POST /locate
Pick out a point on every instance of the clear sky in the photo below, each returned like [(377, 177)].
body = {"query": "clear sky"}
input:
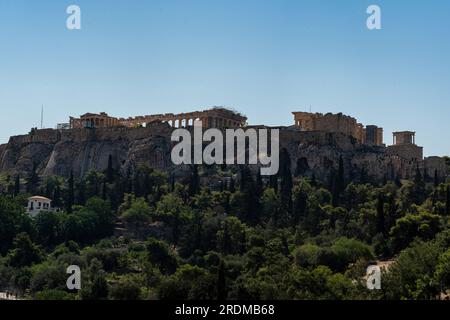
[(265, 58)]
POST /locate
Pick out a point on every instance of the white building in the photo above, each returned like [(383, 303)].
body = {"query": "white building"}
[(37, 204)]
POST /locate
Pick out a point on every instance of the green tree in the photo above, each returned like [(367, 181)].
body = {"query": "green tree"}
[(381, 221), (285, 182), (194, 185), (98, 289), (172, 210), (25, 252), (70, 193), (423, 225), (447, 201), (13, 220), (411, 276), (221, 282), (160, 254), (338, 185), (127, 288), (32, 180), (17, 186), (110, 170), (138, 215), (49, 227)]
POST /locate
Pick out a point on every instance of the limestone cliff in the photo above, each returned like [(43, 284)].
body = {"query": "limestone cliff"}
[(58, 152)]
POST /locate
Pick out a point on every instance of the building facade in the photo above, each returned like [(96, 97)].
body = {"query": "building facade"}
[(38, 204)]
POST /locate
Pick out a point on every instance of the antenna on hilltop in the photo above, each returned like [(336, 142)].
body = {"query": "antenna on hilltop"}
[(310, 108), (42, 117)]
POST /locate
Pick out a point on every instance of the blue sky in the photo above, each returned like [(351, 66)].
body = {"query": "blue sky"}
[(265, 58)]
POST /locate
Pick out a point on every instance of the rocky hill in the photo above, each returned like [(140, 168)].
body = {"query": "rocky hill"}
[(58, 152)]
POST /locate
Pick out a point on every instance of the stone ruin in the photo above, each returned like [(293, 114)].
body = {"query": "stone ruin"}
[(218, 117)]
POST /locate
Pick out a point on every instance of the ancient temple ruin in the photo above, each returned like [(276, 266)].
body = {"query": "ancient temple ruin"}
[(218, 117), (329, 122), (404, 145)]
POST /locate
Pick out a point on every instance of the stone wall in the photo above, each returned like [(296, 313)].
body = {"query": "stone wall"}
[(407, 151), (341, 123)]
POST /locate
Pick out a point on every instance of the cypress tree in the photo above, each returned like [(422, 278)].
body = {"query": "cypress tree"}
[(259, 184), (397, 181), (340, 176), (313, 180), (33, 180), (285, 180), (17, 186), (363, 177), (339, 183), (299, 206), (436, 178), (418, 194), (56, 197), (110, 170), (381, 222), (232, 186), (81, 199), (221, 282), (70, 193), (447, 201), (104, 190), (392, 213), (273, 182), (194, 186), (136, 185)]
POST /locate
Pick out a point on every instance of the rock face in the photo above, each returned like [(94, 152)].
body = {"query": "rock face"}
[(58, 152), (54, 152)]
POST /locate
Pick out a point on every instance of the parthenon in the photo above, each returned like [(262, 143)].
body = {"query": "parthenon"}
[(218, 117)]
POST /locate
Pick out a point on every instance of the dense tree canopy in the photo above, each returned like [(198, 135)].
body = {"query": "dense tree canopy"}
[(226, 233)]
